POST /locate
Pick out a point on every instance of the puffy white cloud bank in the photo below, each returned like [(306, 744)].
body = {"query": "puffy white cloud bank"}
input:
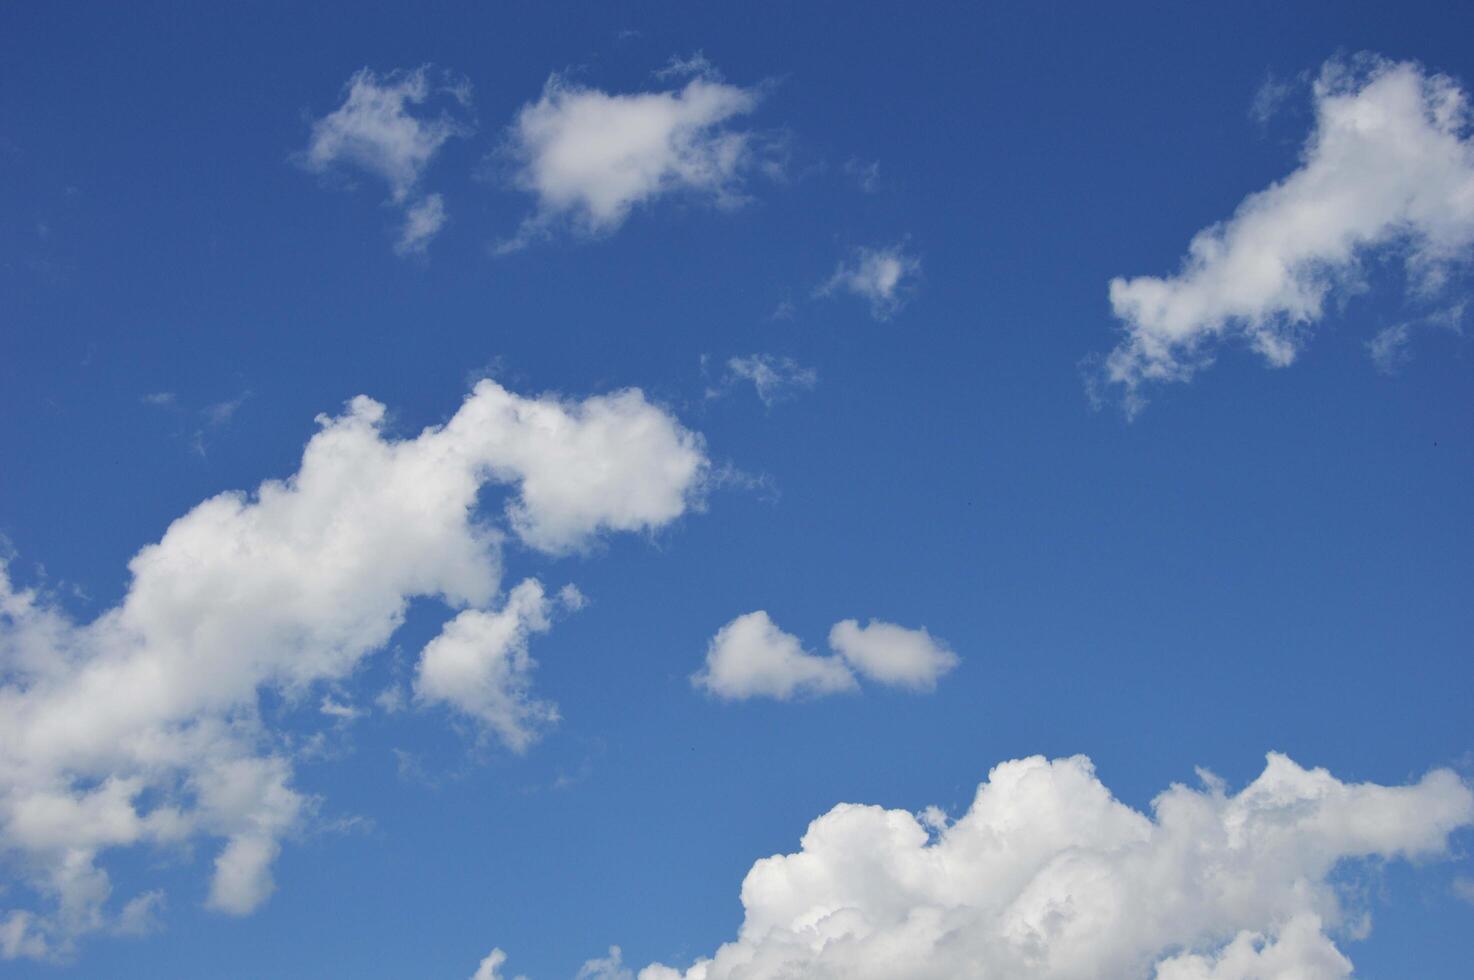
[(591, 157), (385, 128), (1048, 876), (751, 657), (143, 726), (1388, 166), (882, 277)]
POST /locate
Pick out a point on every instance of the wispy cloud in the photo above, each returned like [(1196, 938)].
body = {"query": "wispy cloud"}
[(883, 277), (387, 129), (774, 378)]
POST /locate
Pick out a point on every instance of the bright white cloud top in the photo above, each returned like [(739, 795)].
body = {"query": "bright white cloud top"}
[(385, 128), (1048, 876), (591, 157), (143, 726), (1389, 164), (751, 657), (882, 277)]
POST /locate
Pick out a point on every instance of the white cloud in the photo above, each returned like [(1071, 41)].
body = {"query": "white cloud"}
[(774, 378), (143, 726), (479, 664), (752, 657), (882, 277), (1388, 349), (606, 968), (590, 157), (1389, 164), (892, 654), (1048, 876), (1391, 348), (422, 222), (491, 967), (385, 128)]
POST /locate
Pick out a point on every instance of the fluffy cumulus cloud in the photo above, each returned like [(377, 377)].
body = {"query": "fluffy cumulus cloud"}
[(590, 157), (1388, 166), (774, 378), (387, 128), (1047, 875), (751, 657), (143, 726), (882, 277), (892, 654)]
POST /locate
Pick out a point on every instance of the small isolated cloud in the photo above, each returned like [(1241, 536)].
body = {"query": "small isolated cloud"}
[(334, 708), (891, 654), (1048, 876), (610, 967), (490, 967), (590, 157), (1388, 349), (220, 413), (774, 378), (1463, 888), (866, 175), (1391, 348), (387, 128), (422, 222), (163, 399), (751, 657), (882, 277), (1269, 98), (214, 416), (1388, 168)]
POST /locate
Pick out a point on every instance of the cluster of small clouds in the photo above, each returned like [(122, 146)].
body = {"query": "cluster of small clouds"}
[(609, 967), (1388, 166), (587, 157), (751, 657), (387, 129), (143, 726), (1048, 876)]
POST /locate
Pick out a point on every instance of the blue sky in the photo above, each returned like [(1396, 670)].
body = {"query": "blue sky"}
[(827, 313)]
